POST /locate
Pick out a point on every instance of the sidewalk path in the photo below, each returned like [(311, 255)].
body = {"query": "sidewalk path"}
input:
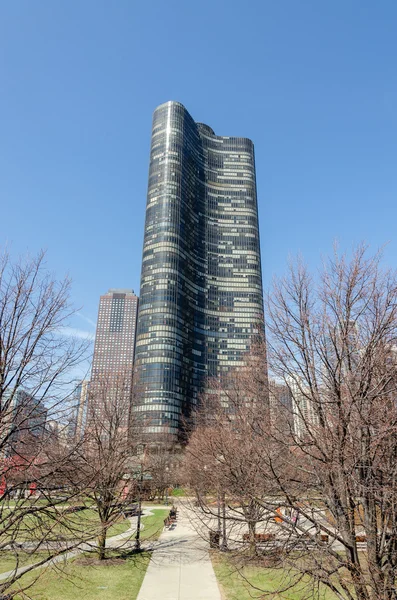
[(180, 568)]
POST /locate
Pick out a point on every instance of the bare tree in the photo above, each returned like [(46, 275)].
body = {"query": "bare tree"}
[(333, 343), (164, 469), (326, 459), (221, 458), (108, 449), (36, 361)]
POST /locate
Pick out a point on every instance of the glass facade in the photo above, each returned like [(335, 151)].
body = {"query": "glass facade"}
[(201, 284)]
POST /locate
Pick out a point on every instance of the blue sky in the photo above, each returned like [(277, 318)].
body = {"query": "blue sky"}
[(312, 83)]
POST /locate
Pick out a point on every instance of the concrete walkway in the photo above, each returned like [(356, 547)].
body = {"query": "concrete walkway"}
[(180, 568)]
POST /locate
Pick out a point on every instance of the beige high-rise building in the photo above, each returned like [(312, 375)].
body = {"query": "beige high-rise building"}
[(78, 415), (114, 348)]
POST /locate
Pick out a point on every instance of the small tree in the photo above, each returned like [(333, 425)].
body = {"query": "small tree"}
[(332, 341), (108, 450), (164, 468), (221, 457), (320, 456), (35, 365)]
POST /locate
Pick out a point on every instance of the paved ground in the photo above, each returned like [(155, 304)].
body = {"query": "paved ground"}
[(180, 568)]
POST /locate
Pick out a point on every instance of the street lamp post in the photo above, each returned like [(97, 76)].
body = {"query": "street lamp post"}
[(218, 503), (166, 483), (138, 525), (224, 548)]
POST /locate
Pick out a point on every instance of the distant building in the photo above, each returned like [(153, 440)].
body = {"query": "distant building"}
[(281, 406), (114, 347), (79, 410), (57, 432), (303, 410), (29, 416), (292, 408)]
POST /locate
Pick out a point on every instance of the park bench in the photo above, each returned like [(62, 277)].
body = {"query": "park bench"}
[(171, 519), (260, 537), (74, 509)]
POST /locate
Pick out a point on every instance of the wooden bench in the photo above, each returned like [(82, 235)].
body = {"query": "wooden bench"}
[(171, 519), (260, 537)]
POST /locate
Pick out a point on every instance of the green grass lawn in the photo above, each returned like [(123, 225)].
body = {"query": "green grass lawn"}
[(120, 527), (154, 524), (8, 559), (240, 583), (52, 527), (178, 492), (117, 578)]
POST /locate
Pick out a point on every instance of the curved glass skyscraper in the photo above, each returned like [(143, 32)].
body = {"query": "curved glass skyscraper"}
[(201, 285)]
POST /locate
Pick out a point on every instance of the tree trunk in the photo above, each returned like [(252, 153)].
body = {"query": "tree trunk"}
[(138, 525), (252, 540), (219, 514), (224, 547), (102, 543)]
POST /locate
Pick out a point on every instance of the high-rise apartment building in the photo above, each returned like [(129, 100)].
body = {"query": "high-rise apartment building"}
[(114, 344), (201, 284)]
